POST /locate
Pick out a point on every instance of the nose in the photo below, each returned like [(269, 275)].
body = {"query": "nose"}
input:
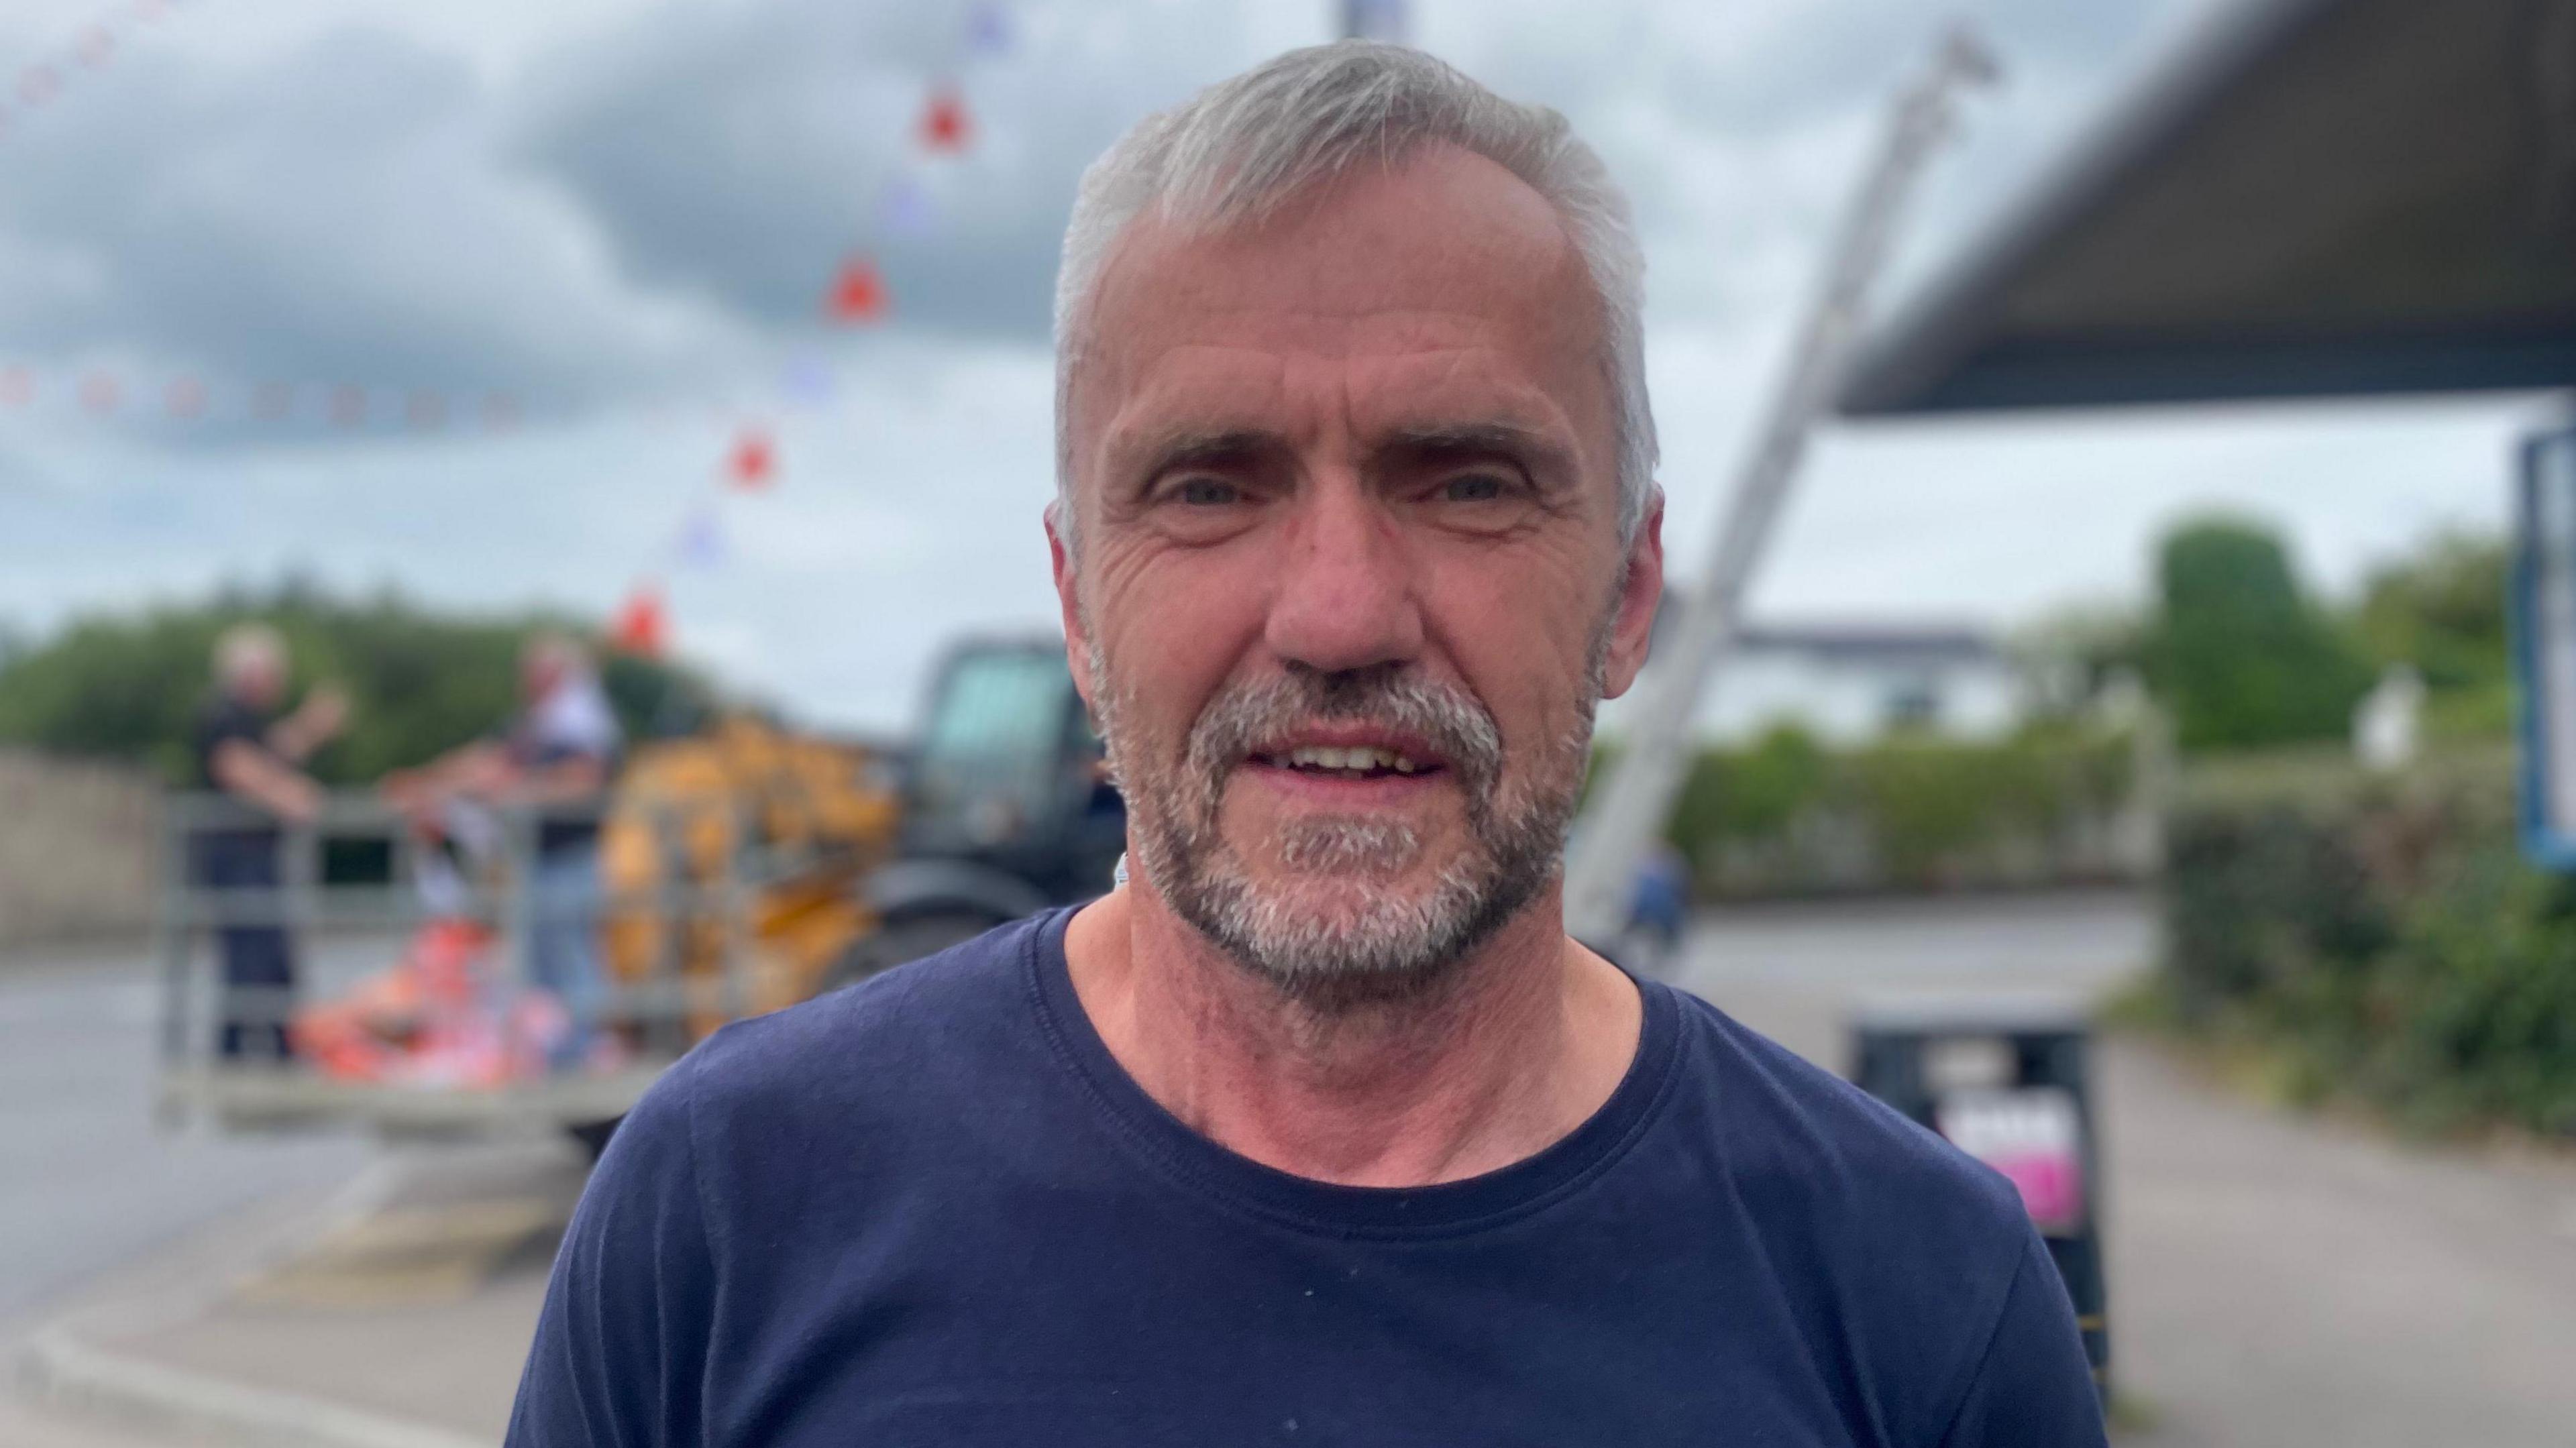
[(1346, 596)]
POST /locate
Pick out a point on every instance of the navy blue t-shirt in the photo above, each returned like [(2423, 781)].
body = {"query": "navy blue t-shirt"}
[(933, 1210)]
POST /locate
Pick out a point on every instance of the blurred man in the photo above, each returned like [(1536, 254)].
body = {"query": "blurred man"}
[(1659, 908), (243, 748), (1319, 1129), (556, 759)]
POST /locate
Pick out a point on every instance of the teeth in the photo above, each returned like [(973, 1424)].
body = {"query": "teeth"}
[(1363, 757)]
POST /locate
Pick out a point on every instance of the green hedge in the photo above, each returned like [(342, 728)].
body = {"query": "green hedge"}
[(1786, 815), (2382, 937)]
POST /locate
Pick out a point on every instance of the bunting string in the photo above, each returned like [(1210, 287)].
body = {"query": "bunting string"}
[(857, 295), (93, 48)]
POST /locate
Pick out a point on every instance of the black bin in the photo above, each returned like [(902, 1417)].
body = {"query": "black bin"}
[(2004, 1078)]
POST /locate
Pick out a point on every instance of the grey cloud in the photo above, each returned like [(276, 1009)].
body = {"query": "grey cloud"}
[(330, 215), (1818, 60), (1739, 128), (741, 153), (663, 197)]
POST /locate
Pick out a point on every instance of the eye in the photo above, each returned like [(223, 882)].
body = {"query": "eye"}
[(1473, 488), (1208, 507)]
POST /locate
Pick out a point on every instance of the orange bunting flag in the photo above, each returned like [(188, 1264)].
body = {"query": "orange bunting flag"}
[(640, 627), (859, 293), (944, 125), (753, 462)]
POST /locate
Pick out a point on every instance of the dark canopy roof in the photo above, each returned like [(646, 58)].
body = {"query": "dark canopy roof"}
[(2325, 197)]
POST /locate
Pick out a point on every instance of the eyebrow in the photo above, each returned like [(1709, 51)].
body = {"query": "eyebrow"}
[(1477, 438), (1188, 447)]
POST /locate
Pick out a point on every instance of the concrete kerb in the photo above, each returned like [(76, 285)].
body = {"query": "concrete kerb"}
[(73, 1372), (62, 1362)]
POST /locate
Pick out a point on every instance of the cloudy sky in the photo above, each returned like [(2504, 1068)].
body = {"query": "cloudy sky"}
[(621, 216)]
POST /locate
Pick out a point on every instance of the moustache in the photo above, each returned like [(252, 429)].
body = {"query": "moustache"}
[(1449, 719)]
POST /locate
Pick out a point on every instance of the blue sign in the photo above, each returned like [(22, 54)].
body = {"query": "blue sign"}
[(2544, 646)]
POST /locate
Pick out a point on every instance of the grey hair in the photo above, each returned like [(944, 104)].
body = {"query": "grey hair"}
[(560, 649), (245, 648), (1236, 152)]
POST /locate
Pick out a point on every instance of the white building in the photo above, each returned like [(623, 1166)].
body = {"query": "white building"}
[(1847, 683)]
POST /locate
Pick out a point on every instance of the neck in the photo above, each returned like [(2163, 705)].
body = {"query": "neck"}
[(1514, 1048)]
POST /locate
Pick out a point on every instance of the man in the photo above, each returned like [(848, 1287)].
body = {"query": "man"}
[(1318, 1129), (243, 748), (556, 759)]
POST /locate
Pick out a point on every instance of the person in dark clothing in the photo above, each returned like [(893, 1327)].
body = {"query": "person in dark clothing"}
[(244, 748), (1318, 1128), (1659, 908)]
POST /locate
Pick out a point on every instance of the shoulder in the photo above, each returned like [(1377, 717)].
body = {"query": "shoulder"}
[(575, 719), (847, 1114), (220, 716), (1797, 1133), (877, 1047), (1894, 1243), (585, 718)]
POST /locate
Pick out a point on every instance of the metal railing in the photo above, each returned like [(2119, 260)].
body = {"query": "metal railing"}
[(653, 1013)]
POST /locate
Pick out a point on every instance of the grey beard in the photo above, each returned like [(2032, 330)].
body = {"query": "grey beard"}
[(1361, 943)]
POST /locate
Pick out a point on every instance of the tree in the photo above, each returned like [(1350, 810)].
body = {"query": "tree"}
[(419, 683), (2442, 610), (2236, 650)]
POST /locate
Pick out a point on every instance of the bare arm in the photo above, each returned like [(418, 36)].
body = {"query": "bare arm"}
[(255, 776), (478, 768), (561, 782), (486, 772), (314, 723)]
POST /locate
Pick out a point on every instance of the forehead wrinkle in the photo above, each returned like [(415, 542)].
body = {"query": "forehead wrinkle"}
[(1336, 333), (1151, 415), (1179, 371), (1535, 353), (1515, 227), (1503, 226)]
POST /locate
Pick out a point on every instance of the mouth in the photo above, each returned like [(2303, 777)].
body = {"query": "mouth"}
[(1349, 766), (1362, 761)]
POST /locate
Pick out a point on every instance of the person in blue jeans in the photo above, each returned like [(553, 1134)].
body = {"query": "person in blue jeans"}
[(557, 757)]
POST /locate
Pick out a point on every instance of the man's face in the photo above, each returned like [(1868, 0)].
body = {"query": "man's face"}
[(260, 681), (539, 671), (1350, 577)]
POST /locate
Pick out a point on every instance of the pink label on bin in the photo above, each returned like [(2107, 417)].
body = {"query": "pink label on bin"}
[(2051, 1185), (2031, 1136)]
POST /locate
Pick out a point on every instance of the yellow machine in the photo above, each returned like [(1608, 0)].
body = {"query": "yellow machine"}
[(749, 868), (732, 861)]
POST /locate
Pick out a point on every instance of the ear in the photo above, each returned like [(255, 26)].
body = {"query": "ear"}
[(1068, 598), (1643, 593)]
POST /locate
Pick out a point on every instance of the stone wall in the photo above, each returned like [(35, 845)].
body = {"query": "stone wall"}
[(77, 845)]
